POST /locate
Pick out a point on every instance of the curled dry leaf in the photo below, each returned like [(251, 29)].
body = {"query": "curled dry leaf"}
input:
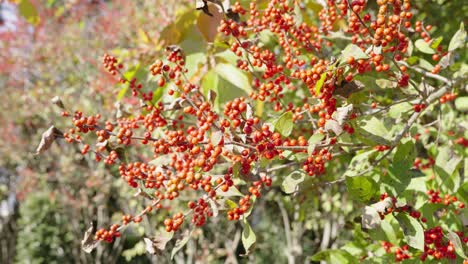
[(339, 118), (157, 244), (47, 138), (333, 125), (345, 89), (176, 104), (212, 96), (122, 110), (203, 6), (88, 243), (57, 101), (371, 217)]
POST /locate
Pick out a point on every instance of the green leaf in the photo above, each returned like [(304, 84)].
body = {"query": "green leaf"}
[(397, 110), (463, 189), (423, 46), (319, 84), (457, 244), (226, 56), (404, 156), (396, 180), (436, 42), (461, 104), (230, 204), (458, 39), (374, 130), (359, 163), (389, 230), (425, 64), (236, 169), (429, 211), (291, 182), (232, 191), (414, 233), (313, 140), (412, 60), (447, 160), (334, 256), (235, 76), (29, 12), (248, 237), (181, 242), (361, 188), (284, 124), (210, 82), (352, 51), (385, 83), (134, 72), (194, 62)]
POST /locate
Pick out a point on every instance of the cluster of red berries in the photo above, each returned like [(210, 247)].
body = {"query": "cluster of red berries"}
[(447, 98), (418, 163), (237, 212), (174, 223), (233, 111), (83, 125), (237, 8), (315, 164), (435, 246), (110, 63), (201, 211), (462, 141), (402, 253), (419, 107), (107, 235), (231, 27), (381, 148), (447, 198)]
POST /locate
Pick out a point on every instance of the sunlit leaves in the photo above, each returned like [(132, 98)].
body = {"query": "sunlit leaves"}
[(284, 124), (313, 140), (248, 237), (353, 51), (457, 244), (335, 256), (413, 231), (233, 75), (458, 39), (29, 12), (319, 84), (291, 182), (461, 103), (361, 188), (423, 46)]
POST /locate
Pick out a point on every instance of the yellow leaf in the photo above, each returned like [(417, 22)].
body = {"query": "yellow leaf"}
[(208, 25)]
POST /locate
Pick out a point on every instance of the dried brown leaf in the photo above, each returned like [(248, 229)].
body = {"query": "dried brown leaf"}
[(88, 243), (47, 138)]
